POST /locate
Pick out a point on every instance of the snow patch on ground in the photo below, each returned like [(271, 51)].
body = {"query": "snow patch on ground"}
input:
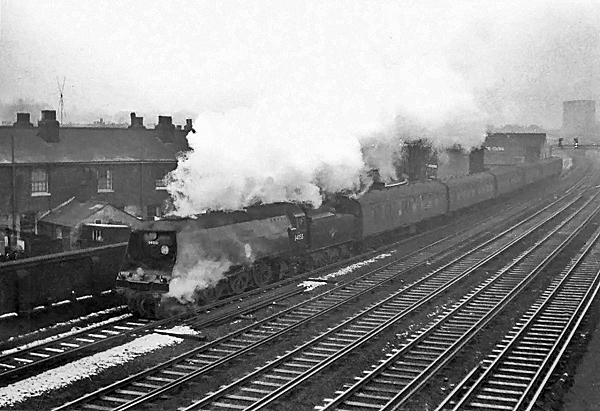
[(181, 330), (84, 368), (310, 285), (74, 330)]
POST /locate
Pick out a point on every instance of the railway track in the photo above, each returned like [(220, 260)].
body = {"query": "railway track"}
[(278, 378), (395, 380), (514, 375), (149, 385), (19, 364)]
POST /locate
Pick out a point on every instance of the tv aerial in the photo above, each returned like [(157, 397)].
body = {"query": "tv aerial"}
[(61, 101)]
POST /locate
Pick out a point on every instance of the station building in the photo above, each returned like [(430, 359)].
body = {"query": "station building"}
[(514, 148)]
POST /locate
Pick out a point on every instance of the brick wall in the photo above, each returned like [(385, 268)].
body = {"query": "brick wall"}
[(130, 190)]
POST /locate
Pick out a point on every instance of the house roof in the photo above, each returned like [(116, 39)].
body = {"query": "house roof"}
[(89, 145), (72, 212)]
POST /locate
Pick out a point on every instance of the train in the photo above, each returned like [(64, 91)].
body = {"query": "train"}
[(265, 243)]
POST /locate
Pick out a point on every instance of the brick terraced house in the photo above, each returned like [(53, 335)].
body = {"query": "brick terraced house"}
[(43, 166)]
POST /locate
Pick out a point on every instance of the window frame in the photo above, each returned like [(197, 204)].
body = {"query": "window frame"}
[(160, 184), (158, 211), (39, 187), (105, 175)]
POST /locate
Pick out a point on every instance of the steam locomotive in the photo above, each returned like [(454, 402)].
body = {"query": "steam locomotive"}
[(264, 243)]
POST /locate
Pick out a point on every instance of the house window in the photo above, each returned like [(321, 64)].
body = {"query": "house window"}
[(153, 211), (160, 184), (105, 181), (58, 233), (39, 182), (97, 235)]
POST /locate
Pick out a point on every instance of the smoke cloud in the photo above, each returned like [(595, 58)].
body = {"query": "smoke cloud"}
[(335, 95), (341, 98)]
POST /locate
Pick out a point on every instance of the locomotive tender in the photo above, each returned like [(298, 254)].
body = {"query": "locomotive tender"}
[(264, 243)]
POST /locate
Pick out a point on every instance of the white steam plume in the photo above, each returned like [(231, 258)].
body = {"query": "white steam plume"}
[(339, 73), (344, 84)]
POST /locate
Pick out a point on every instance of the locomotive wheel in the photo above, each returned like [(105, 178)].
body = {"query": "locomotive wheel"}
[(133, 303), (310, 264), (286, 270), (334, 255), (148, 307), (212, 294), (239, 282), (345, 252), (262, 274)]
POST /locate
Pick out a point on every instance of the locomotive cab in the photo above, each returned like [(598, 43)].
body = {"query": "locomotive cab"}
[(297, 231)]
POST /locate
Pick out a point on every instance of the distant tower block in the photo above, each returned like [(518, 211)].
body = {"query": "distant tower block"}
[(579, 117)]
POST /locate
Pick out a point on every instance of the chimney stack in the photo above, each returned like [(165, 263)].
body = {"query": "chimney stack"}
[(166, 121), (48, 127), (136, 122), (166, 129), (476, 160), (189, 126), (23, 120)]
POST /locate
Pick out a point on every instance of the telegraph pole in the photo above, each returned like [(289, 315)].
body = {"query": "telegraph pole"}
[(14, 185)]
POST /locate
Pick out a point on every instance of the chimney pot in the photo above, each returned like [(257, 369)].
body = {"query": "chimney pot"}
[(23, 117), (48, 127), (23, 120), (165, 120), (136, 121), (188, 124), (165, 128), (48, 115)]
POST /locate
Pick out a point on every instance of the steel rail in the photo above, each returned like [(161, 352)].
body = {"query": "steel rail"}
[(340, 340), (546, 325), (159, 390), (413, 364)]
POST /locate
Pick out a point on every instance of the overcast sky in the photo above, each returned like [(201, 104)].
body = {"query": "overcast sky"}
[(502, 62)]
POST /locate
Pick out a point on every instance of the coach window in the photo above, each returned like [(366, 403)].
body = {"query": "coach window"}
[(388, 211)]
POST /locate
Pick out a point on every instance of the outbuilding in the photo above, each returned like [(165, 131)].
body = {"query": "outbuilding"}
[(72, 222)]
